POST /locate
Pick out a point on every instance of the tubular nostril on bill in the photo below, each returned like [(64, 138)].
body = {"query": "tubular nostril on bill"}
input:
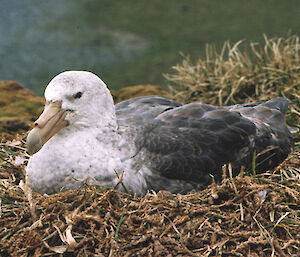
[(36, 124)]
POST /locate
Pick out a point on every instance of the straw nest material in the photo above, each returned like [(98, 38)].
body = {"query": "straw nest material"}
[(250, 215)]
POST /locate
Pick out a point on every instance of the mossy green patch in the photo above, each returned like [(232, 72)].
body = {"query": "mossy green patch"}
[(18, 107)]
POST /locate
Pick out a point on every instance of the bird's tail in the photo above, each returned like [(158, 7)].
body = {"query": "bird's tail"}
[(281, 104)]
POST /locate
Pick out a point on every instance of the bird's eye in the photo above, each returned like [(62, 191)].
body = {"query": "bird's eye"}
[(77, 95)]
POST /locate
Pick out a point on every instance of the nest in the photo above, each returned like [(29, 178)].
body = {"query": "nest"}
[(249, 215)]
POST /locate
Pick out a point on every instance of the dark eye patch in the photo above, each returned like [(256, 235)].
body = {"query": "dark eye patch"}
[(77, 95)]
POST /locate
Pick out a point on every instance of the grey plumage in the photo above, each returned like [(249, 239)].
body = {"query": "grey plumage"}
[(184, 145)]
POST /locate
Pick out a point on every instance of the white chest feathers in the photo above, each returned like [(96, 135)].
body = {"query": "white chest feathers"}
[(68, 159)]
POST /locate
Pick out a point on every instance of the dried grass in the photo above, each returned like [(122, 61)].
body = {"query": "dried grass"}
[(242, 216), (259, 72)]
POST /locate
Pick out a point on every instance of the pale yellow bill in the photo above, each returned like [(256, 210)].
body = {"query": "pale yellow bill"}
[(47, 125)]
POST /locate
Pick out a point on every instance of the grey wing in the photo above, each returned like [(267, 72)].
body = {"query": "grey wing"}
[(140, 110), (193, 141)]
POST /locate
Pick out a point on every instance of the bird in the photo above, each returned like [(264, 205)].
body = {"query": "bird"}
[(155, 143)]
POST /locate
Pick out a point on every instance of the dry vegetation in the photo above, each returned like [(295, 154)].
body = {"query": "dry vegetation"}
[(242, 216), (250, 215), (236, 76)]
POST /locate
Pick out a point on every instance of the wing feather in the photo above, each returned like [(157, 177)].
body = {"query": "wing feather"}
[(193, 141)]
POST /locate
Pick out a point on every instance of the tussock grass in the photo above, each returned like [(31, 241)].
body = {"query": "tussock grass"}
[(234, 75)]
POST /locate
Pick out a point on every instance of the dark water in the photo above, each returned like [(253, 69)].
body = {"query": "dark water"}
[(41, 38)]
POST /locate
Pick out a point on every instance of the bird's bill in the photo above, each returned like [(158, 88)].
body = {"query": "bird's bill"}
[(51, 121)]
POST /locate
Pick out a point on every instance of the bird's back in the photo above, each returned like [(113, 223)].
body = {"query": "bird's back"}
[(190, 143)]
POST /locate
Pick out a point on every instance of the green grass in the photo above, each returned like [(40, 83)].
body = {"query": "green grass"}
[(185, 26)]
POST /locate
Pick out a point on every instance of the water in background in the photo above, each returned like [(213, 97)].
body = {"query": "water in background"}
[(41, 38)]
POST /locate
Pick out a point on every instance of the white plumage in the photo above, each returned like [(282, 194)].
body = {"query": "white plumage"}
[(91, 147)]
